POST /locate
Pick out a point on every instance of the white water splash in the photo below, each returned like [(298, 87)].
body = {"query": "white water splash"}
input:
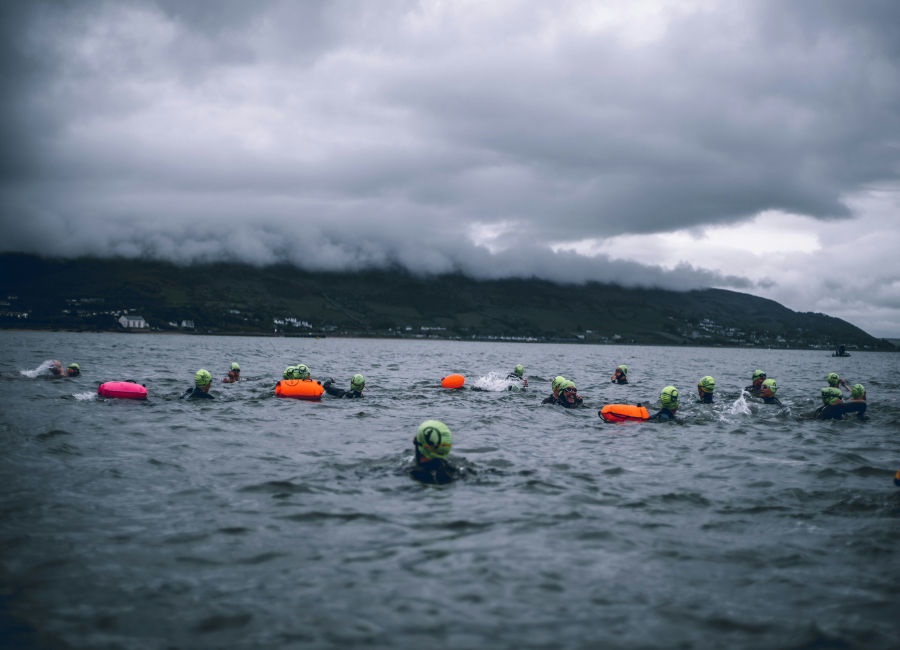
[(41, 369), (496, 381), (740, 406), (85, 396)]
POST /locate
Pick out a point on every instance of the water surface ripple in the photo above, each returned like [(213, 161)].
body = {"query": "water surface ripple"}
[(251, 522)]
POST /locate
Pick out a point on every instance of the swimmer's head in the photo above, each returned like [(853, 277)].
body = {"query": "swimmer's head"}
[(769, 388), (302, 371), (858, 391), (623, 368), (433, 439), (567, 389), (519, 370), (202, 378), (556, 382), (707, 384), (357, 383), (832, 378), (235, 366), (73, 370), (288, 373), (668, 397), (759, 375), (831, 395)]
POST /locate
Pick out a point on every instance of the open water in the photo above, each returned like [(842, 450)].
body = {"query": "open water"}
[(256, 522)]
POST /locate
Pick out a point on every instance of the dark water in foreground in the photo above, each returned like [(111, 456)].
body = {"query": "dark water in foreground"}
[(254, 522)]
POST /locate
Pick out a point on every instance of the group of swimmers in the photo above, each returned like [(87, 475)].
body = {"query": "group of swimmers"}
[(433, 439)]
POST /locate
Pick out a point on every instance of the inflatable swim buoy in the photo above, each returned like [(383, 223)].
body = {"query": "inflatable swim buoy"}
[(452, 381), (299, 389), (122, 390), (623, 413)]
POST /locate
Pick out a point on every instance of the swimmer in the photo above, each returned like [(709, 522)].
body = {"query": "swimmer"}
[(620, 375), (858, 393), (518, 374), (668, 397), (73, 370), (759, 376), (554, 396), (233, 375), (202, 382), (831, 404), (302, 371), (356, 387), (431, 446), (834, 380), (56, 368), (705, 388), (568, 395), (767, 392)]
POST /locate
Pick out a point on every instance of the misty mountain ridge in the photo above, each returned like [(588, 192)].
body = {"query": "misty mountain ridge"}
[(92, 293)]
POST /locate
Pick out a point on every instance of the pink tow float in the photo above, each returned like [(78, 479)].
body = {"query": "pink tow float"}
[(122, 390)]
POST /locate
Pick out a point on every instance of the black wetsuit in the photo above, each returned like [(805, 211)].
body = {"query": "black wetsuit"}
[(837, 411), (340, 392), (664, 415), (771, 400), (552, 399), (432, 470), (562, 401), (705, 398), (196, 393), (753, 389), (619, 378)]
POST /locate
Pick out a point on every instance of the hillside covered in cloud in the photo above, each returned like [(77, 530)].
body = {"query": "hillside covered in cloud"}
[(579, 142), (91, 294)]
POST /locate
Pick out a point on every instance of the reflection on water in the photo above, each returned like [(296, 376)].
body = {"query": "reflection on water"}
[(250, 521)]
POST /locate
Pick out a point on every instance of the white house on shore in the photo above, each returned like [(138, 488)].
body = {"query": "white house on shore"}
[(131, 322)]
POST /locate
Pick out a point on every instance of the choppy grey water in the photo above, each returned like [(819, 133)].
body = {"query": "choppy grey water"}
[(250, 521)]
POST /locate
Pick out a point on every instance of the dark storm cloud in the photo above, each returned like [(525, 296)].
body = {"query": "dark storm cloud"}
[(353, 134)]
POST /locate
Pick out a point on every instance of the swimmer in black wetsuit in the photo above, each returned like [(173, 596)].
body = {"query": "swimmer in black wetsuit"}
[(517, 374), (432, 445), (759, 376), (705, 388), (668, 397), (202, 381), (554, 396), (73, 370), (620, 375), (233, 375), (767, 392), (568, 395), (834, 408), (356, 387)]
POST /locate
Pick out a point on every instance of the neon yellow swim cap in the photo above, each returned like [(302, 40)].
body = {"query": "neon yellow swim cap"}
[(668, 397), (434, 439), (202, 378), (707, 384), (758, 373), (557, 381), (358, 382), (302, 371), (519, 370), (623, 368), (857, 391), (770, 384), (235, 366), (832, 378)]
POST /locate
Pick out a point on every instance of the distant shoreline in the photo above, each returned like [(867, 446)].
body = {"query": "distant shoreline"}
[(433, 337)]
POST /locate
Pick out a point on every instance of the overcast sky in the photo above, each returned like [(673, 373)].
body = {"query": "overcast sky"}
[(749, 145)]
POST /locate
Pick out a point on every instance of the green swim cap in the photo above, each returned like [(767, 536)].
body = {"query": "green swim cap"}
[(623, 368), (303, 371), (758, 373), (434, 439), (830, 395), (559, 379), (74, 365), (566, 383), (832, 378), (288, 372), (358, 382), (235, 366), (857, 391), (770, 384), (202, 378), (519, 370), (668, 397), (707, 384)]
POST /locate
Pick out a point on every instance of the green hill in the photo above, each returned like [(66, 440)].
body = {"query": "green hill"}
[(89, 294)]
